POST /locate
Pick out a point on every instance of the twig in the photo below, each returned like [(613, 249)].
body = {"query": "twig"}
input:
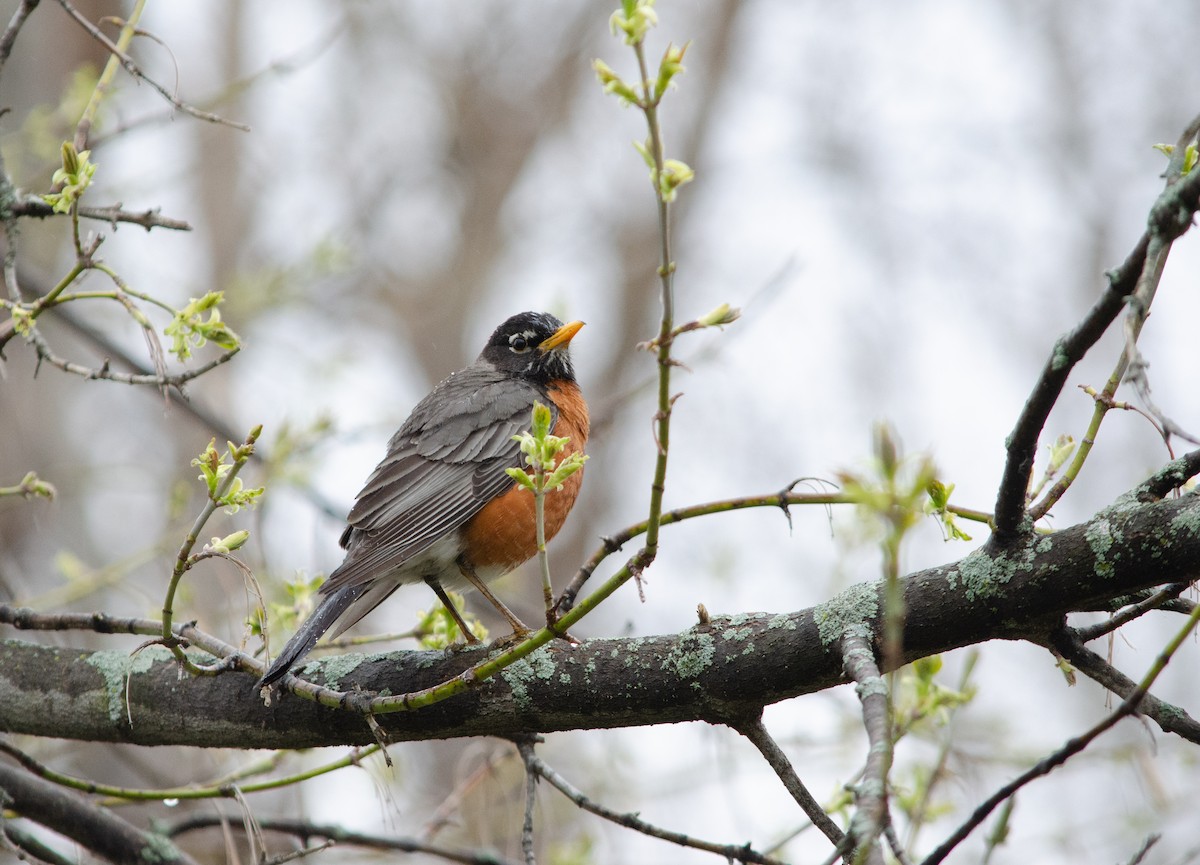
[(113, 214), (184, 560), (1136, 282), (525, 747), (304, 830), (613, 543), (1169, 718), (452, 802), (760, 738), (104, 373), (133, 69), (1169, 218), (1131, 612), (1129, 706), (632, 821), (1150, 841), (14, 27), (871, 815), (1068, 351)]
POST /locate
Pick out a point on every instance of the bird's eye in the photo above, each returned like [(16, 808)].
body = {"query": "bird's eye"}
[(519, 343)]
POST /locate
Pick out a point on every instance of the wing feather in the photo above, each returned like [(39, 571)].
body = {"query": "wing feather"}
[(442, 466)]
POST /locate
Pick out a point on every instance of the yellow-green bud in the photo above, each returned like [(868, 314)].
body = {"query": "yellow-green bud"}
[(723, 314), (229, 543)]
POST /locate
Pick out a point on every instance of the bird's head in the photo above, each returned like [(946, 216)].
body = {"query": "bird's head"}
[(533, 345)]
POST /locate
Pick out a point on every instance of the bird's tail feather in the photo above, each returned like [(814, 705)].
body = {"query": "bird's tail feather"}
[(329, 611)]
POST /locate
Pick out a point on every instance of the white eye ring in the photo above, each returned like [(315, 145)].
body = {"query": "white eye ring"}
[(519, 342)]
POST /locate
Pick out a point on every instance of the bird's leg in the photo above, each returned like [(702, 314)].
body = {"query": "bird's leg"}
[(449, 605), (520, 629)]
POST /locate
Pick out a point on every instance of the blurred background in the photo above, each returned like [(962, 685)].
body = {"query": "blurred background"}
[(908, 201)]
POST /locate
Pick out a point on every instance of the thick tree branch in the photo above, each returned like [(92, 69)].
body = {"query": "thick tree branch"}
[(720, 672)]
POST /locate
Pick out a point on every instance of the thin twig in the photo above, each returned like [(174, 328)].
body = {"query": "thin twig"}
[(613, 543), (14, 27), (113, 214), (104, 373), (1169, 718), (133, 69), (525, 747), (1129, 706), (734, 853), (305, 830), (756, 733), (1133, 611)]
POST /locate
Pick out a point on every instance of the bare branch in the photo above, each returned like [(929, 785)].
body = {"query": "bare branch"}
[(756, 732), (1129, 706), (114, 214), (1132, 611), (14, 27), (134, 70), (525, 747), (871, 793), (1170, 718), (72, 815), (304, 830), (743, 853), (1170, 216)]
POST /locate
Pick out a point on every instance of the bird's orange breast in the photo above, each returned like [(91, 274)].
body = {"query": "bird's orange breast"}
[(503, 534)]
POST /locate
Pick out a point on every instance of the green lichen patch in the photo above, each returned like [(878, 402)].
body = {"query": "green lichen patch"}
[(691, 656), (1187, 522), (858, 605), (116, 667), (538, 666), (1101, 538), (984, 575), (335, 668)]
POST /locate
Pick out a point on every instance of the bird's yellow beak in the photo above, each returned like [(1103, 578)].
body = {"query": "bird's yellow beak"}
[(560, 337)]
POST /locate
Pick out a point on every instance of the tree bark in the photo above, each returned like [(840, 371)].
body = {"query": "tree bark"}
[(723, 671)]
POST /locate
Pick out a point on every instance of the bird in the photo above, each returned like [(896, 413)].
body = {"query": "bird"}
[(440, 507)]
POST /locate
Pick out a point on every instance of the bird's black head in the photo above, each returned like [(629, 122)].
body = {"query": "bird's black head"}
[(533, 345)]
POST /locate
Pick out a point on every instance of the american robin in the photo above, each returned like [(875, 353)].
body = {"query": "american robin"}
[(440, 508)]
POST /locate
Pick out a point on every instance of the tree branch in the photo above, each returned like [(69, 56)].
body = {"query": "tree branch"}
[(1172, 719), (305, 831), (721, 671), (871, 794), (114, 214), (72, 815), (1170, 216), (732, 852), (756, 732)]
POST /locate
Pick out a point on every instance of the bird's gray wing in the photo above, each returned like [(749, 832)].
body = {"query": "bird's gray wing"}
[(444, 464)]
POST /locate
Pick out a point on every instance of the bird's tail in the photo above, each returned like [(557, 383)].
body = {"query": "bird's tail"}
[(329, 611)]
